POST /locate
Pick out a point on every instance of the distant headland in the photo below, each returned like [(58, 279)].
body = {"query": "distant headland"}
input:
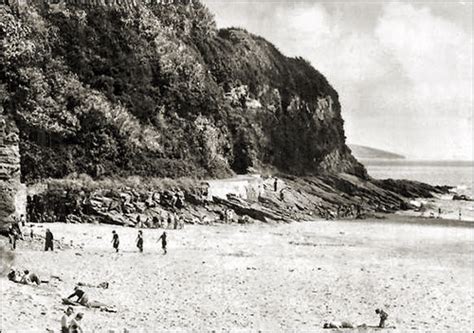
[(364, 152)]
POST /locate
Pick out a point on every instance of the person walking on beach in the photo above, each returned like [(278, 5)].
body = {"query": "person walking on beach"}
[(115, 241), (275, 184), (140, 240), (383, 317), (163, 242), (65, 319), (48, 241), (439, 212)]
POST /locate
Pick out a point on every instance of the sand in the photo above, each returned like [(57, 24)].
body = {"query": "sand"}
[(287, 277)]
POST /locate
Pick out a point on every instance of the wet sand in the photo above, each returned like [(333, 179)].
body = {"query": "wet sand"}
[(286, 277)]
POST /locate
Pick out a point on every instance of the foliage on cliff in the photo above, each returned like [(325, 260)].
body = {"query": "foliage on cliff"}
[(158, 90)]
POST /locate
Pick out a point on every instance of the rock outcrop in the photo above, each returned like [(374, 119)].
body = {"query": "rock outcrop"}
[(289, 199)]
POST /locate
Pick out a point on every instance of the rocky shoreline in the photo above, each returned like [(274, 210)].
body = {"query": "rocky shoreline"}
[(272, 199)]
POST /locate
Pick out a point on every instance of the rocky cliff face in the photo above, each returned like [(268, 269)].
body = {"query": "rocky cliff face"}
[(9, 169), (156, 90)]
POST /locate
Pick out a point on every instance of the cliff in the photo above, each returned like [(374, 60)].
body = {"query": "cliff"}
[(123, 88), (102, 93)]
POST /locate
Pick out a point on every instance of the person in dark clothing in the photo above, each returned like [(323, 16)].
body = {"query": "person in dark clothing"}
[(16, 227), (82, 298), (48, 243), (383, 317), (12, 236), (163, 242), (275, 184), (115, 241), (140, 241)]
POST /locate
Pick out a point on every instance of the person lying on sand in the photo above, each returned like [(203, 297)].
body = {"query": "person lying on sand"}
[(65, 319), (383, 317), (13, 276), (75, 325), (338, 324), (30, 278), (26, 278), (83, 299), (103, 285)]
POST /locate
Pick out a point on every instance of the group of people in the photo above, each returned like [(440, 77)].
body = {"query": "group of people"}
[(167, 220), (15, 233), (139, 241), (383, 316), (24, 278), (71, 323)]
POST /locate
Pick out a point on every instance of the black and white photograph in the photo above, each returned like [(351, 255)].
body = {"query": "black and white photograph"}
[(236, 166)]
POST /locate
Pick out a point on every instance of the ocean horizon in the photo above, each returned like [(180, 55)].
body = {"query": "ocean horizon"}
[(437, 172)]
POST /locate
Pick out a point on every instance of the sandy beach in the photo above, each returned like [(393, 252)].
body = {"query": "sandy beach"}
[(285, 277)]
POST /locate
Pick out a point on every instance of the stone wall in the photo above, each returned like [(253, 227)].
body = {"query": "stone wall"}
[(9, 170)]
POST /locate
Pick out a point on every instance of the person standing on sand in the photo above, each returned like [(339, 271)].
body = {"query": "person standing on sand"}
[(383, 317), (12, 236), (115, 241), (275, 184), (163, 242), (65, 319), (439, 212), (48, 240), (175, 224), (170, 220), (140, 240)]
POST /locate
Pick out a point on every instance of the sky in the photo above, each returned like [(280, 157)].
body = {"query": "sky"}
[(403, 69)]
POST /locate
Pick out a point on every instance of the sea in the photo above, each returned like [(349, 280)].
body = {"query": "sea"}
[(458, 174)]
